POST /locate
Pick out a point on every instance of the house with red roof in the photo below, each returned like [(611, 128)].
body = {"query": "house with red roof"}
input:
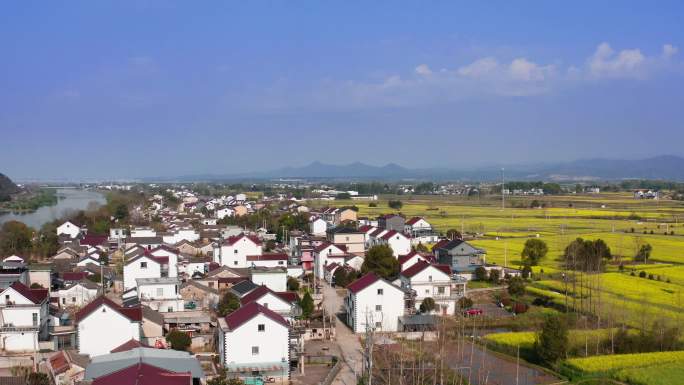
[(412, 258), (374, 302), (326, 253), (171, 254), (144, 265), (399, 242), (420, 231), (436, 281), (284, 303), (268, 260), (234, 250), (24, 313), (102, 326), (254, 341), (317, 226), (144, 374)]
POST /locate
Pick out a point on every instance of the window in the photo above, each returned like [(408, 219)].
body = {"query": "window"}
[(169, 309), (440, 290), (378, 325), (73, 299), (280, 262), (7, 298), (347, 239), (235, 251), (261, 327), (235, 263), (380, 291), (35, 319), (63, 301), (265, 305), (255, 350), (429, 278), (160, 292), (378, 307), (143, 265)]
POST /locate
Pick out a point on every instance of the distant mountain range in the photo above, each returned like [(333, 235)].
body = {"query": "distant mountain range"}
[(662, 167)]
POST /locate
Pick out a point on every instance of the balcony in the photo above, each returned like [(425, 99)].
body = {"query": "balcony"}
[(16, 329)]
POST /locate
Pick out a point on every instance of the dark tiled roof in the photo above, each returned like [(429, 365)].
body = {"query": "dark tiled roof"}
[(94, 240), (244, 287), (132, 313), (245, 313), (267, 257)]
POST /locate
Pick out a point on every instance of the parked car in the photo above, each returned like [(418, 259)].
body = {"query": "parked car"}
[(473, 312)]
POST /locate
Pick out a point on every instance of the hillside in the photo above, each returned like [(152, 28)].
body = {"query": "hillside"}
[(7, 188)]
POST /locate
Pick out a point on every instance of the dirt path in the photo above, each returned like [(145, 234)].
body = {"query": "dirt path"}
[(347, 341)]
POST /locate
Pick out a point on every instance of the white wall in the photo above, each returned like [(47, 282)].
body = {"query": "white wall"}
[(133, 271), (76, 296), (365, 301), (273, 343), (235, 255), (274, 281), (68, 228), (19, 341), (100, 332)]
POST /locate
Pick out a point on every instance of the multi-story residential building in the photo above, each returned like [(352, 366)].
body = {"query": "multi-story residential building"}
[(420, 231), (234, 251), (392, 222), (275, 278), (460, 256), (268, 260), (400, 243), (318, 226), (77, 294), (161, 294), (327, 253), (102, 326), (353, 240), (144, 265), (284, 303), (434, 281), (23, 318), (375, 302), (254, 341)]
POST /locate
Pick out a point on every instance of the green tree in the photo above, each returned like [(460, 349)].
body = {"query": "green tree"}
[(526, 272), (552, 341), (342, 277), (15, 238), (307, 305), (465, 303), (179, 340), (36, 378), (644, 253), (516, 286), (428, 305), (454, 234), (494, 275), (380, 260), (534, 250), (228, 304), (395, 204), (421, 248), (292, 284), (480, 274)]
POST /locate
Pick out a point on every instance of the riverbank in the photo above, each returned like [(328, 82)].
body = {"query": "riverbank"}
[(30, 201), (68, 200)]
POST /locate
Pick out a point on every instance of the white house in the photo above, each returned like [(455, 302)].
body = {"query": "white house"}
[(283, 303), (188, 234), (412, 258), (160, 294), (354, 261), (327, 253), (171, 254), (275, 278), (373, 300), (234, 250), (102, 326), (268, 260), (434, 281), (143, 266), (420, 231), (318, 226), (400, 243), (24, 318), (254, 341), (69, 229), (224, 212), (78, 294)]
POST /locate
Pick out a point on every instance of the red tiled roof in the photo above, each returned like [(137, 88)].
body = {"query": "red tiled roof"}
[(34, 295), (422, 265), (363, 282), (245, 313), (94, 240), (289, 296), (232, 240), (166, 248), (159, 260), (267, 257), (413, 221), (324, 245), (376, 232), (257, 293), (405, 258), (365, 228), (389, 234), (128, 345), (144, 374), (232, 280), (132, 313), (74, 275), (59, 363), (331, 266)]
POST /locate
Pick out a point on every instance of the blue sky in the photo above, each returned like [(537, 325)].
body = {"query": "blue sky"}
[(158, 88)]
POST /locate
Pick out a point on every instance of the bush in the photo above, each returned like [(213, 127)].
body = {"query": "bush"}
[(552, 343), (526, 272), (465, 303), (650, 276), (395, 204), (292, 284), (428, 305), (642, 274), (372, 204), (178, 340), (228, 304), (494, 276), (480, 273), (516, 286)]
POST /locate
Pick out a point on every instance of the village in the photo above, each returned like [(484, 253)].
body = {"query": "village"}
[(201, 301)]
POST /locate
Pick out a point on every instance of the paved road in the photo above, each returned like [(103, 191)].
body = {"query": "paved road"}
[(347, 341)]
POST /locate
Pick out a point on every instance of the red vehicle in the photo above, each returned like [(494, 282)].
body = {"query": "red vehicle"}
[(472, 312)]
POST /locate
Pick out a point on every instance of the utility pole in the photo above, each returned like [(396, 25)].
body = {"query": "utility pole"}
[(369, 346), (503, 185)]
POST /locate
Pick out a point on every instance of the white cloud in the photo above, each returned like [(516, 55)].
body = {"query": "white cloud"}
[(423, 70), (523, 69), (605, 63), (669, 50), (479, 68)]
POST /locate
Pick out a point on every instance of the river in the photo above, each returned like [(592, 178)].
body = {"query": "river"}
[(69, 199)]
